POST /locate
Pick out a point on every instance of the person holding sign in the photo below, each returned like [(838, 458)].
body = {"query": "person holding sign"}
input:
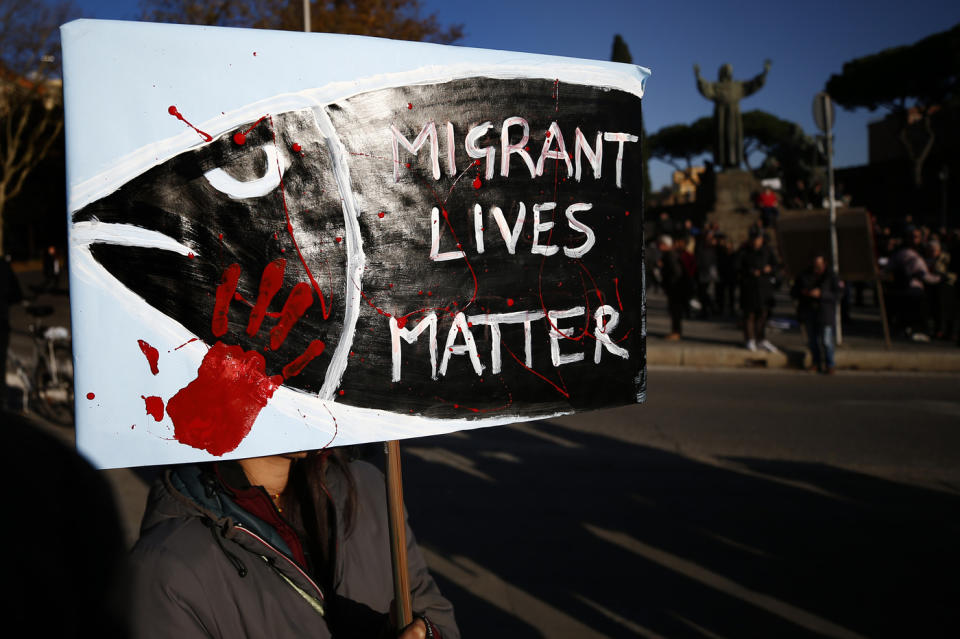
[(282, 546)]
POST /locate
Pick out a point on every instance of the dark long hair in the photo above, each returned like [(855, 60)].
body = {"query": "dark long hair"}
[(309, 507)]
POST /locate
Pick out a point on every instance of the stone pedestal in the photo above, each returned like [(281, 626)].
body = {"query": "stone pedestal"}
[(733, 208)]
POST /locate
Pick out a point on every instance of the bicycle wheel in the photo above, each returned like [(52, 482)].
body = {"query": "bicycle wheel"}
[(53, 390)]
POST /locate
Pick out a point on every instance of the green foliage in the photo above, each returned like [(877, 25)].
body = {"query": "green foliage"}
[(789, 152), (621, 52), (682, 143), (924, 73), (919, 76)]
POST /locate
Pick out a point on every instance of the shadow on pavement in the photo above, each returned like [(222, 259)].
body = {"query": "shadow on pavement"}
[(542, 530)]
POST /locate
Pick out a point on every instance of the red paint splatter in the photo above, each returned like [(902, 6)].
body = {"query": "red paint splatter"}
[(240, 137), (270, 283), (343, 392), (477, 182), (296, 366), (191, 255), (409, 105), (626, 213), (152, 355), (510, 301), (216, 411), (338, 239), (175, 113), (154, 406), (91, 395), (381, 214), (225, 292), (296, 147), (299, 300)]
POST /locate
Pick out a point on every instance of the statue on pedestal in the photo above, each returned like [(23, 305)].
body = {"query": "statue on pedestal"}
[(726, 94)]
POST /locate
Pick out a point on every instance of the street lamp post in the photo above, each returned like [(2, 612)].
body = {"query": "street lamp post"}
[(823, 115)]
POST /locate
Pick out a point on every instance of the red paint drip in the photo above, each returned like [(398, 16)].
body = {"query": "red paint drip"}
[(296, 366), (270, 283), (286, 212), (296, 147), (152, 355), (189, 341), (381, 214), (409, 105), (154, 406), (343, 392), (299, 300), (626, 213), (91, 395), (338, 239), (616, 287), (510, 301), (225, 293), (191, 255), (175, 113), (562, 391), (216, 411), (477, 182)]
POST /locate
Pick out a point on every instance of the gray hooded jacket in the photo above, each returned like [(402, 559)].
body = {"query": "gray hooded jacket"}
[(203, 567)]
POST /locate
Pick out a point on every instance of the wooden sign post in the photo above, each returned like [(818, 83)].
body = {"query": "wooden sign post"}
[(398, 536)]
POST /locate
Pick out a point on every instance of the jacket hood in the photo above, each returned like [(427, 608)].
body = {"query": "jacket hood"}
[(194, 491)]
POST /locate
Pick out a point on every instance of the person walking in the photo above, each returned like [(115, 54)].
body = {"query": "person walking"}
[(674, 281), (816, 290), (756, 265), (708, 274)]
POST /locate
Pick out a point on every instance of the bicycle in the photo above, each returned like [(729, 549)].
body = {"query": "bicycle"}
[(48, 385)]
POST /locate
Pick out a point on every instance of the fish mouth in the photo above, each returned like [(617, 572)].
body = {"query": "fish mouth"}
[(170, 234)]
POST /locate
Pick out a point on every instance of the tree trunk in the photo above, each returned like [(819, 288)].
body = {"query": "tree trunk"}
[(3, 203), (918, 159)]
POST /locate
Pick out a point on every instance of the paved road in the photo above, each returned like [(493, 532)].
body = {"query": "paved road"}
[(732, 504)]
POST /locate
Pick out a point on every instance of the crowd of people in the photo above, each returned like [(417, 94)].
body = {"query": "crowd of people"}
[(703, 271), (705, 274), (921, 282)]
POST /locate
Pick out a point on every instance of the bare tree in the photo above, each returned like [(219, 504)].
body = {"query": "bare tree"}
[(31, 114), (397, 19)]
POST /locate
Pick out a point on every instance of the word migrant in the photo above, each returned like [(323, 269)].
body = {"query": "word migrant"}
[(553, 148)]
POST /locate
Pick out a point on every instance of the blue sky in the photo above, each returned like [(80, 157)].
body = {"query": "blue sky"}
[(807, 41)]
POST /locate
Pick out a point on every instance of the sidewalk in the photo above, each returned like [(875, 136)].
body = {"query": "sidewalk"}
[(718, 343)]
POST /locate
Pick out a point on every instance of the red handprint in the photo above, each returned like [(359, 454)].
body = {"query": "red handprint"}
[(216, 411)]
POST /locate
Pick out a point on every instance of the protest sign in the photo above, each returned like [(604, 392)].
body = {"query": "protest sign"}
[(282, 241)]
